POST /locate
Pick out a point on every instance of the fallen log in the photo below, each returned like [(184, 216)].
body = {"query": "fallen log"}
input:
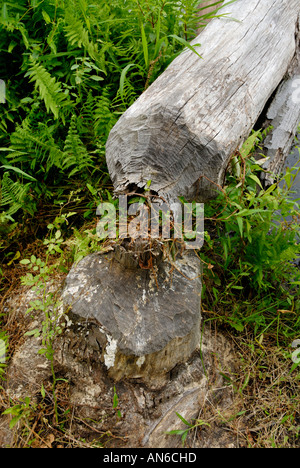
[(284, 117), (181, 133)]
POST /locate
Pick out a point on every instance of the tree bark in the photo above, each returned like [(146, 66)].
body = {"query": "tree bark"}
[(182, 131)]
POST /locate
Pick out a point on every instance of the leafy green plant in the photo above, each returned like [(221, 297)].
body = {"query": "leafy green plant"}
[(14, 196), (21, 411), (46, 301), (116, 404), (183, 433), (49, 89), (77, 156), (253, 246)]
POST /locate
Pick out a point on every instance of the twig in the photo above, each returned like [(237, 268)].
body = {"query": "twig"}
[(151, 68), (36, 434)]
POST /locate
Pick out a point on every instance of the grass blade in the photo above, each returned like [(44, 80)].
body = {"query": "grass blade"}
[(145, 47), (186, 44)]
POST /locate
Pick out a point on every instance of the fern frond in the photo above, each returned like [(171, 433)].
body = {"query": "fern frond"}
[(76, 154), (38, 148), (49, 89), (78, 35), (125, 97), (104, 118), (13, 195), (85, 123)]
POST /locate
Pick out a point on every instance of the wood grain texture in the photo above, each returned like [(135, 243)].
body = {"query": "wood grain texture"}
[(181, 132), (284, 116), (146, 322)]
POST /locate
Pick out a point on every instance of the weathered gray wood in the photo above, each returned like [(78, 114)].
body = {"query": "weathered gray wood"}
[(284, 116), (181, 132), (143, 322)]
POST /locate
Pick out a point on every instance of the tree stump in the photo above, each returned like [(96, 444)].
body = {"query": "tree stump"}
[(143, 321)]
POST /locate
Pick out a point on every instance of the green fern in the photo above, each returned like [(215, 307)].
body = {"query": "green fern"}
[(125, 97), (76, 154), (49, 89), (35, 148), (104, 118), (85, 121), (78, 35), (14, 196), (88, 58)]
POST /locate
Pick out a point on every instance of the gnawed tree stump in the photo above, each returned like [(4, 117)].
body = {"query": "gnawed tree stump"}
[(182, 131), (143, 322)]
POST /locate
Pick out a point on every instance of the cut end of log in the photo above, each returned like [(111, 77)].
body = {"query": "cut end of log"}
[(181, 133), (172, 170)]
